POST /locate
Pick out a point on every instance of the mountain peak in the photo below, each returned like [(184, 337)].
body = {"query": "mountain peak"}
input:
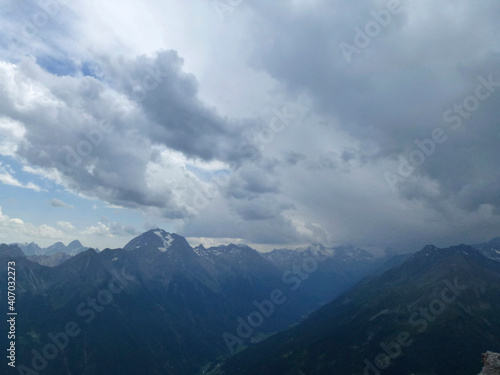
[(157, 239), (29, 248), (437, 257), (200, 250), (230, 249), (12, 251), (431, 250), (75, 243), (165, 237), (490, 249), (318, 249)]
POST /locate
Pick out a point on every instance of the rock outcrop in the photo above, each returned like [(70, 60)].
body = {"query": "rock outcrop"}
[(491, 364)]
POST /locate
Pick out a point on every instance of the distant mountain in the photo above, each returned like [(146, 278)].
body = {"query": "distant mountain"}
[(490, 249), (174, 309), (75, 247), (50, 260), (157, 239), (390, 261), (29, 248), (238, 258), (320, 273), (11, 251), (32, 248), (283, 258), (239, 272), (433, 314), (58, 247), (167, 305), (72, 249), (286, 258)]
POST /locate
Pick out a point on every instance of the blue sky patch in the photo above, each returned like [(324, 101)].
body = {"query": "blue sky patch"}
[(57, 66)]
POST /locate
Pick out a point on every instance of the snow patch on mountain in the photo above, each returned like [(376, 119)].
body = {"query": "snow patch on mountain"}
[(167, 240), (233, 249), (229, 249)]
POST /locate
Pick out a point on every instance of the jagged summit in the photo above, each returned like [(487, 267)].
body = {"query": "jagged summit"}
[(12, 251), (157, 239), (32, 248), (433, 252), (285, 258), (443, 299), (74, 245), (490, 249), (29, 248), (201, 250), (225, 250), (230, 249)]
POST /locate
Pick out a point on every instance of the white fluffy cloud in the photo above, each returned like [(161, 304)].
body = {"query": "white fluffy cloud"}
[(110, 230), (66, 225), (12, 133), (7, 178), (12, 229)]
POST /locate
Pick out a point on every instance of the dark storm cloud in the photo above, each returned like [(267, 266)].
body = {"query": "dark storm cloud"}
[(253, 180), (177, 118), (397, 89), (261, 221), (293, 157)]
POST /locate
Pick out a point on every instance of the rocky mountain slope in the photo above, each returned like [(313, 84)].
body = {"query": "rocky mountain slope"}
[(168, 305), (433, 314)]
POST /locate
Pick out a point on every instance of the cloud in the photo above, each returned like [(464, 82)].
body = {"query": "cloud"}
[(135, 135), (110, 230), (119, 119), (59, 203), (398, 88), (394, 92), (16, 230), (7, 178), (66, 225), (12, 134), (168, 99), (115, 134)]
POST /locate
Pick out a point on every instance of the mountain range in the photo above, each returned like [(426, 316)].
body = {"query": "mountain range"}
[(490, 249), (53, 255), (32, 248), (180, 307), (433, 314), (160, 306)]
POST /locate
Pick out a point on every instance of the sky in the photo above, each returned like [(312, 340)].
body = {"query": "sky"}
[(273, 123)]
